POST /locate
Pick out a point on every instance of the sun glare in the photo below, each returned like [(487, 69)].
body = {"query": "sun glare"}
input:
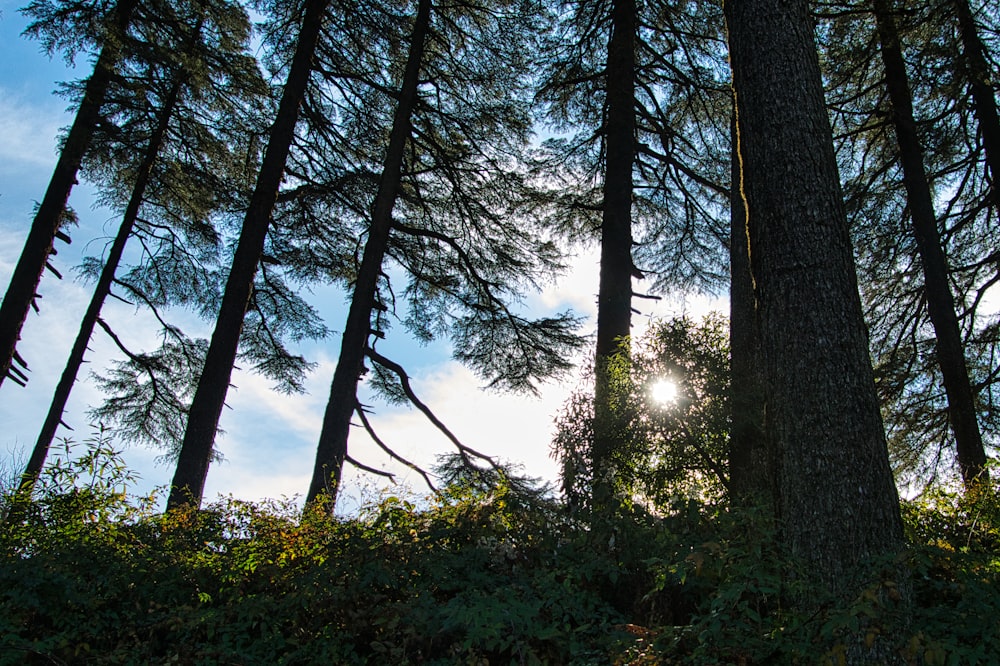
[(664, 391)]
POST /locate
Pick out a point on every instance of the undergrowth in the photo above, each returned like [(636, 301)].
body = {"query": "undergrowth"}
[(477, 575)]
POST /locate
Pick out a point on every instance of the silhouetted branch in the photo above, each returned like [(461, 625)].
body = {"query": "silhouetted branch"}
[(370, 470), (404, 381), (392, 454)]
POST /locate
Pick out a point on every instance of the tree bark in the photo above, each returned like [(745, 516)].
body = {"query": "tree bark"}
[(206, 407), (614, 297), (837, 504), (749, 462), (978, 72), (101, 290), (937, 290), (332, 448), (38, 246)]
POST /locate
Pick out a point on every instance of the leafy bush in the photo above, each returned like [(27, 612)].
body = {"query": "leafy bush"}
[(662, 450), (482, 574)]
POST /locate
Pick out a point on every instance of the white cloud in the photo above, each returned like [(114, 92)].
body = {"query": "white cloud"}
[(514, 428), (29, 132), (576, 288)]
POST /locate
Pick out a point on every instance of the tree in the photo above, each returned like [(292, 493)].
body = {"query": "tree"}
[(449, 212), (937, 291), (669, 411), (336, 420), (836, 501), (73, 26), (978, 74), (945, 146), (145, 111), (206, 406), (614, 293), (632, 84)]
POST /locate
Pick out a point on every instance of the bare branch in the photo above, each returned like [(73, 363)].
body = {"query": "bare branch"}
[(370, 470), (359, 410), (404, 381)]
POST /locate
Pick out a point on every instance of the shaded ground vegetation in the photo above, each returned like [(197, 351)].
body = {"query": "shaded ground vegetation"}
[(484, 573)]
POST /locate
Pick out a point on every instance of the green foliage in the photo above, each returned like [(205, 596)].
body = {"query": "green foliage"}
[(662, 450), (483, 574)]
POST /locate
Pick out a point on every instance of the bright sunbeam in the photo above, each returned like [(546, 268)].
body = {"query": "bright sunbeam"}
[(663, 391)]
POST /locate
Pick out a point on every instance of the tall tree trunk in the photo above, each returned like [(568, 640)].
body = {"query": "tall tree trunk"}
[(38, 246), (101, 290), (614, 297), (749, 477), (188, 484), (837, 503), (980, 82), (937, 290), (332, 448)]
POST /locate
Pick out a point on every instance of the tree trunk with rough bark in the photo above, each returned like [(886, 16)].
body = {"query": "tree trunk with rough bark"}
[(332, 448), (750, 481), (837, 503), (614, 298), (38, 246), (937, 290), (188, 484)]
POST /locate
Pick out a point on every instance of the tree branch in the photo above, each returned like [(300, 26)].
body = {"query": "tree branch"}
[(404, 381)]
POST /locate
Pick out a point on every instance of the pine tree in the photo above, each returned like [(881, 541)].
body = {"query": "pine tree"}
[(937, 291), (836, 501), (979, 74), (909, 347), (190, 66), (206, 406), (448, 212), (336, 420), (72, 26), (632, 85)]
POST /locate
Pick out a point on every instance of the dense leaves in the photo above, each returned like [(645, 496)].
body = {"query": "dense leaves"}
[(482, 573), (667, 445)]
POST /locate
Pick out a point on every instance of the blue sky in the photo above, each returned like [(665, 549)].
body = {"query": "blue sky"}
[(269, 444)]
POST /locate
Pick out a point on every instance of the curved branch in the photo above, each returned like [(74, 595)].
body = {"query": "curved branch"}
[(370, 470), (404, 380), (392, 454)]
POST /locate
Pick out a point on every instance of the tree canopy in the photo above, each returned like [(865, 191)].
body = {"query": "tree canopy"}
[(438, 165)]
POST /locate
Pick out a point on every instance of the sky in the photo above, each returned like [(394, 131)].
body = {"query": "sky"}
[(270, 438)]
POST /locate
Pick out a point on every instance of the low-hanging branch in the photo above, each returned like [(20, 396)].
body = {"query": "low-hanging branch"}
[(359, 410), (135, 358), (370, 470), (404, 380)]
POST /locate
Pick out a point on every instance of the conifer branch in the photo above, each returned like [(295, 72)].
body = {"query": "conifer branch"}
[(359, 410), (404, 380)]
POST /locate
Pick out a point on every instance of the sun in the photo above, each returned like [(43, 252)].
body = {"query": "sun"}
[(663, 391)]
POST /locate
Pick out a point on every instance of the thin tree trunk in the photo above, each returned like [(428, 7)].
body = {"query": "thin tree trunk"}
[(978, 72), (101, 290), (837, 504), (614, 297), (937, 290), (332, 448), (38, 246), (188, 484), (749, 479)]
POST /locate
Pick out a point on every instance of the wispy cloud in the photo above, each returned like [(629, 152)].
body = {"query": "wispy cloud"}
[(29, 132)]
